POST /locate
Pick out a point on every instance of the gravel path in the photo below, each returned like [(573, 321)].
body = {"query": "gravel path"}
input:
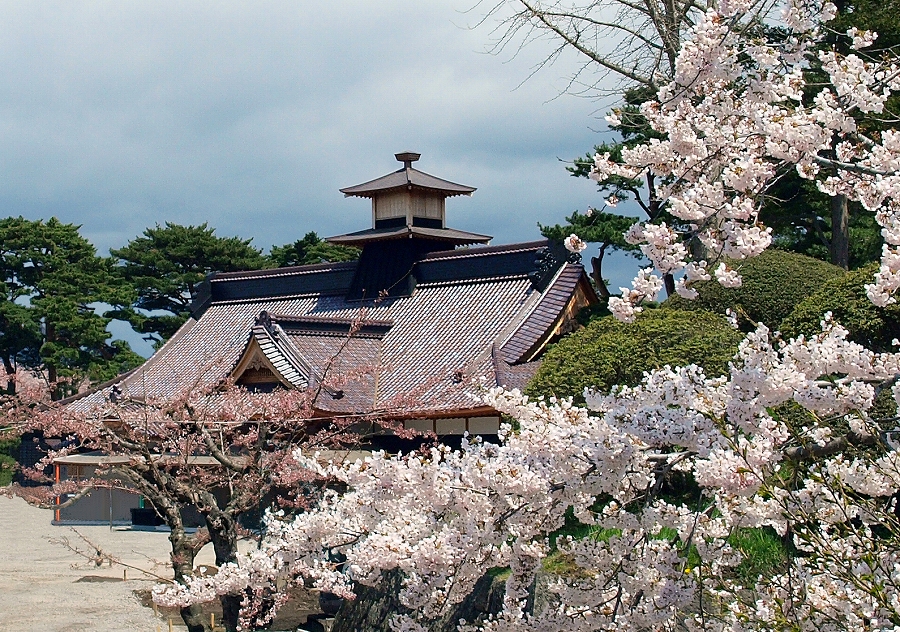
[(46, 588)]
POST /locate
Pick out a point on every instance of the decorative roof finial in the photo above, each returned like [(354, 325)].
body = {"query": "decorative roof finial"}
[(407, 158)]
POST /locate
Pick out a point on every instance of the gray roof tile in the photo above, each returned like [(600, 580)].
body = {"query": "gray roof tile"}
[(417, 354)]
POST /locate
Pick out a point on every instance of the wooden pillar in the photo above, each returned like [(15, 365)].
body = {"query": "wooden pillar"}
[(56, 478)]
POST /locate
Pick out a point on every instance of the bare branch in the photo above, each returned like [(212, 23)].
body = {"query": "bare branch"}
[(835, 446)]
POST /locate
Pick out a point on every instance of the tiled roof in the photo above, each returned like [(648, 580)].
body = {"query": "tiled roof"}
[(449, 235), (471, 311), (403, 178), (512, 376), (290, 366), (521, 345)]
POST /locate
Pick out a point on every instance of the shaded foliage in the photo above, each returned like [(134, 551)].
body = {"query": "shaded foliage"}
[(773, 284), (53, 285), (800, 217), (310, 250), (608, 352), (845, 297), (9, 447)]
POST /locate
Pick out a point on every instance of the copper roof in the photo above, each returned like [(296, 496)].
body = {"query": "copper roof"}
[(472, 315)]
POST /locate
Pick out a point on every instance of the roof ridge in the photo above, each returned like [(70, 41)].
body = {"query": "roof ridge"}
[(312, 318), (496, 278), (294, 356), (285, 271), (446, 234), (407, 177), (522, 347), (484, 250), (269, 343)]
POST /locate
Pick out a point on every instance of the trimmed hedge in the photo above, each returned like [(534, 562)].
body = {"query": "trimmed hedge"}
[(845, 297), (607, 352), (773, 284), (7, 469), (8, 449)]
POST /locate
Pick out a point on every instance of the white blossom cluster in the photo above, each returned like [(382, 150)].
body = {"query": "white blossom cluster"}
[(644, 286), (729, 124), (444, 518), (574, 243)]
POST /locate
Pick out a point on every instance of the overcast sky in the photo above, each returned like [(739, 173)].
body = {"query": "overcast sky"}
[(250, 116)]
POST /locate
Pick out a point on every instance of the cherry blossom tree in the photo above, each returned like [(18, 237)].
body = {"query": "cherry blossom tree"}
[(826, 481), (446, 517), (216, 447), (735, 113)]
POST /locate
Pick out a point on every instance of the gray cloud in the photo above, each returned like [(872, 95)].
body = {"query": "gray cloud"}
[(251, 116)]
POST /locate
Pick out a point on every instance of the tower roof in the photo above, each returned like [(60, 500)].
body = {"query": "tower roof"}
[(447, 235), (407, 178), (409, 205)]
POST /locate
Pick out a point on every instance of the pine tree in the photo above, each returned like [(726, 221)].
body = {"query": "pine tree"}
[(166, 266), (54, 287)]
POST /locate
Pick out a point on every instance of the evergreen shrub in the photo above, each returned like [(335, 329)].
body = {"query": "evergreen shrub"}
[(607, 352), (773, 284), (8, 449), (845, 297)]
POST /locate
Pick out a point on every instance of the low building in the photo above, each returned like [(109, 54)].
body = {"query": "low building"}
[(426, 317)]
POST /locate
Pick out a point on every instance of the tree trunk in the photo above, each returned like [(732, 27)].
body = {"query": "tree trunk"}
[(669, 280), (10, 376), (184, 547), (223, 535), (183, 563), (840, 232), (56, 393), (597, 273)]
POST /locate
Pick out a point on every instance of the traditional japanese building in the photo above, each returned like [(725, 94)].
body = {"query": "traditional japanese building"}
[(405, 330), (426, 318)]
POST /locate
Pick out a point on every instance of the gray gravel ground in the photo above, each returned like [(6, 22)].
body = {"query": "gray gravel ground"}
[(46, 588)]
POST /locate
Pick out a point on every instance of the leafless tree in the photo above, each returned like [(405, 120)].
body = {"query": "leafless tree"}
[(619, 44)]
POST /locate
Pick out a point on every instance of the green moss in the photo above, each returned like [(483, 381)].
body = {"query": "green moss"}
[(608, 352), (562, 564), (773, 284), (845, 297), (499, 572)]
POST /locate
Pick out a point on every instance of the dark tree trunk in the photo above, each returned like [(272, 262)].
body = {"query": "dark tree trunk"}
[(184, 547), (56, 392), (669, 280), (183, 563), (840, 232), (223, 535), (597, 272), (10, 376), (653, 210)]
